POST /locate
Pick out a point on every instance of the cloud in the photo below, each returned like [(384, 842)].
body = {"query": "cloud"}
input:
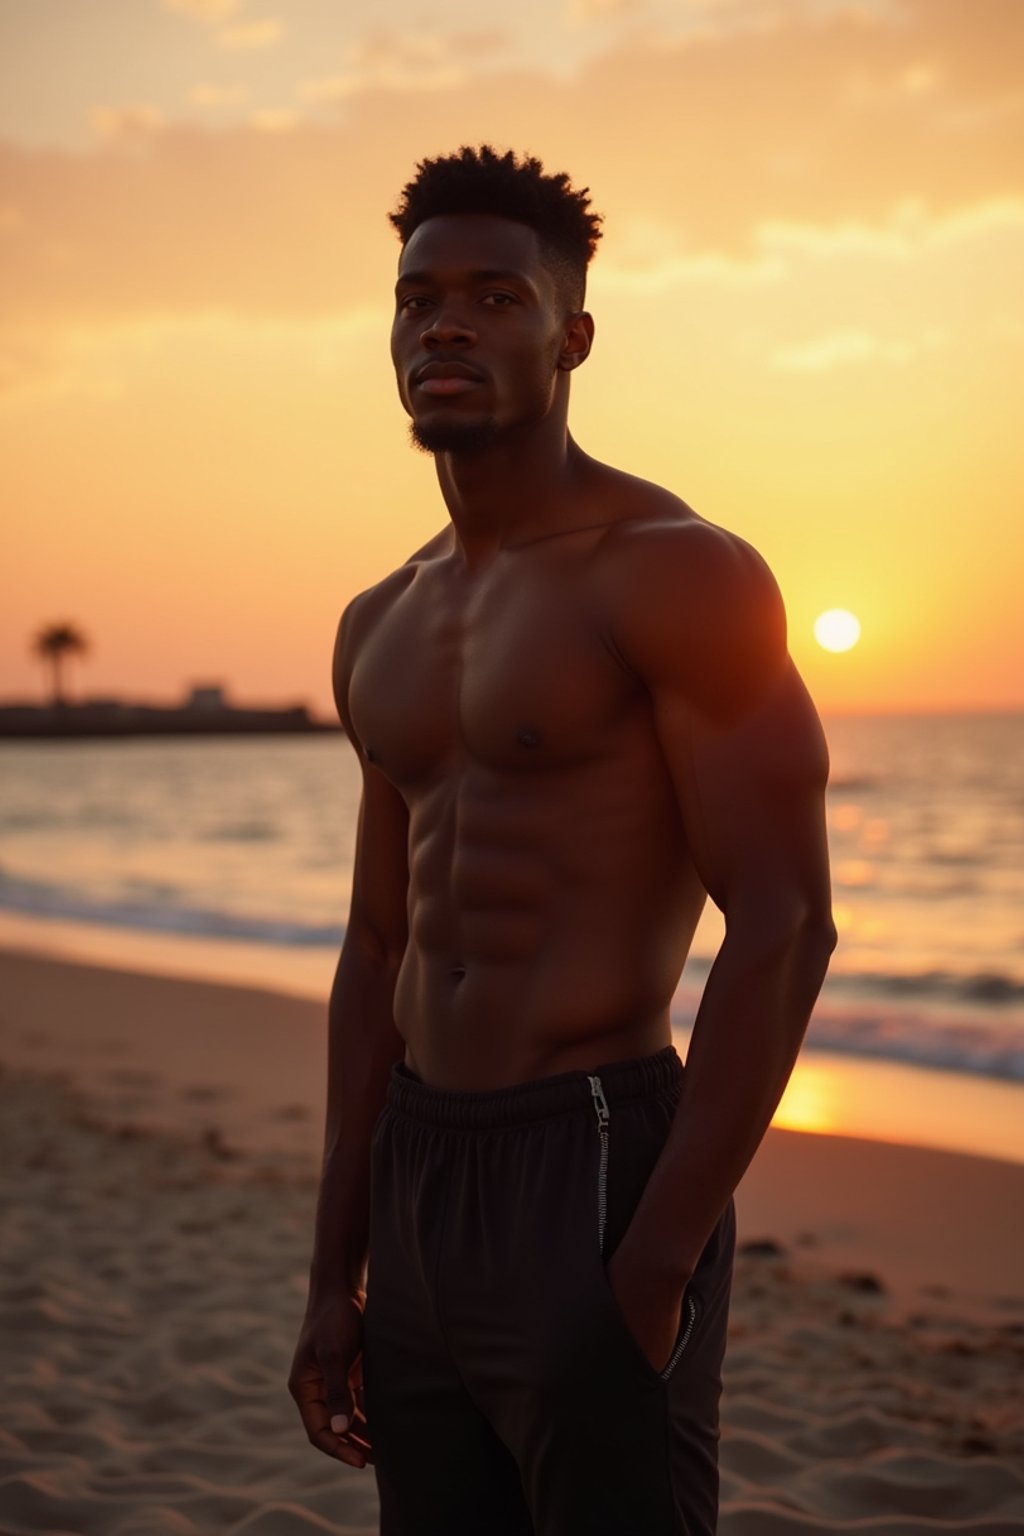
[(827, 352), (207, 95), (583, 11), (909, 230), (210, 12), (647, 256), (327, 90), (872, 89), (650, 274), (981, 116), (402, 61), (274, 120), (235, 36), (126, 125), (479, 44), (701, 20), (97, 361), (248, 35)]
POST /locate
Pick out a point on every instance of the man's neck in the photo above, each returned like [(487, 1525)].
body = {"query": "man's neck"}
[(511, 491)]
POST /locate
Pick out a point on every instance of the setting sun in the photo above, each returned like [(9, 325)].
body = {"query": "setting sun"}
[(837, 630)]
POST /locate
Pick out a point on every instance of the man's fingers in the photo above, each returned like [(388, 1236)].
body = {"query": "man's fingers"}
[(333, 1421), (354, 1451), (358, 1431), (342, 1449), (357, 1439), (307, 1388), (337, 1395)]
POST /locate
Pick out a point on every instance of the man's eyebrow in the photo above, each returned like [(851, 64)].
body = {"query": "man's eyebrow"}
[(502, 275), (483, 275)]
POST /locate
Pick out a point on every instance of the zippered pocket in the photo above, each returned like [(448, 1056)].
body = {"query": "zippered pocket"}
[(691, 1307), (690, 1315), (603, 1117)]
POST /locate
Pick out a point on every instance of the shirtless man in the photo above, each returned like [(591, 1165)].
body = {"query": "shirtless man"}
[(575, 717)]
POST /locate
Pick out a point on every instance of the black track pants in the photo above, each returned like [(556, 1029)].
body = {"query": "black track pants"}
[(504, 1390)]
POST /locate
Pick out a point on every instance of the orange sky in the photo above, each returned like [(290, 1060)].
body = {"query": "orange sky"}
[(809, 305)]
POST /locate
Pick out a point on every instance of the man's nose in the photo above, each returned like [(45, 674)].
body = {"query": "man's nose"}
[(449, 327)]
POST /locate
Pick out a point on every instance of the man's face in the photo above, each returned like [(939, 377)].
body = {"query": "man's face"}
[(478, 331)]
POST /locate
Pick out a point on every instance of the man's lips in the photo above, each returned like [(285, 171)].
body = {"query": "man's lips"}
[(456, 384), (446, 378)]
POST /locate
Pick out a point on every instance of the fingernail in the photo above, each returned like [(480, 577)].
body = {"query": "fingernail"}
[(339, 1423)]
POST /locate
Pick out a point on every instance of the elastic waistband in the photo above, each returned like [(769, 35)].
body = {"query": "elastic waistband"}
[(644, 1077)]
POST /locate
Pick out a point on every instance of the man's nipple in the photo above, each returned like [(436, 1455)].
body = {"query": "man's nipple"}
[(528, 736)]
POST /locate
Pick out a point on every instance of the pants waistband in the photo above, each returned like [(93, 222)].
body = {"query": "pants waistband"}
[(644, 1077)]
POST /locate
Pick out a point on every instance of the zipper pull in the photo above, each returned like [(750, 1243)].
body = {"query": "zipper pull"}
[(600, 1102)]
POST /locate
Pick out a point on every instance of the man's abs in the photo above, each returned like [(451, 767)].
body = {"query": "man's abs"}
[(549, 923)]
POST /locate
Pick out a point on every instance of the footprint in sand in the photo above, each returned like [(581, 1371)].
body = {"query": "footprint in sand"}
[(205, 1093), (130, 1077), (293, 1112)]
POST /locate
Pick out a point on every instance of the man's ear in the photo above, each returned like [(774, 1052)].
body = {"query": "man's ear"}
[(579, 337)]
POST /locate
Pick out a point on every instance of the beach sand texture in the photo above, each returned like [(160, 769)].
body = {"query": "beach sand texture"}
[(158, 1151)]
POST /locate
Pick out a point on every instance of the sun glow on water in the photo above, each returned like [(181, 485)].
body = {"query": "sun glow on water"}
[(807, 1104)]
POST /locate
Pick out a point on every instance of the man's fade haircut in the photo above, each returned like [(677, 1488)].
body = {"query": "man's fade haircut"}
[(482, 181)]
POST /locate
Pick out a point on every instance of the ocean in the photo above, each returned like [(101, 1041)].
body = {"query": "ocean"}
[(251, 841)]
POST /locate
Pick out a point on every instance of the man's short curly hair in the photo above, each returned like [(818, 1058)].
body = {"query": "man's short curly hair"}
[(482, 181)]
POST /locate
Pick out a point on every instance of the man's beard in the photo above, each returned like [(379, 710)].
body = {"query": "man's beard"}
[(453, 436)]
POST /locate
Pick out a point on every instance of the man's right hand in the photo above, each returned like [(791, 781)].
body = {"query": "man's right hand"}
[(326, 1378)]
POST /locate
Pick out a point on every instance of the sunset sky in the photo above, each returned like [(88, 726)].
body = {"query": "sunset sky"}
[(809, 305)]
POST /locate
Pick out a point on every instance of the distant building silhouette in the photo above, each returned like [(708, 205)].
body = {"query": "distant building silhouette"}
[(207, 696), (205, 711)]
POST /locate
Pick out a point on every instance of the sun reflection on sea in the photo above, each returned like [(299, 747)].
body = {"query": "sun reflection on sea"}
[(808, 1103), (841, 1095)]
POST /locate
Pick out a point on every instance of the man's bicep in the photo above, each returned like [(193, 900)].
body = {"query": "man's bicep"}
[(735, 723), (751, 793)]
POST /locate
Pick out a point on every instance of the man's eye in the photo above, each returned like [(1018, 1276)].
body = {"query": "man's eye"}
[(412, 301), (500, 298)]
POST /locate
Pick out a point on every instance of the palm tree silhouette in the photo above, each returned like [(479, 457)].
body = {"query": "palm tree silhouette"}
[(52, 644)]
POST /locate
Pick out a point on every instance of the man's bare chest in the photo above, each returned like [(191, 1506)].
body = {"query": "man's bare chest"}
[(515, 674)]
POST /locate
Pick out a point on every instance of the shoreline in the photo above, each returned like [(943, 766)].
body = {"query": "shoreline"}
[(831, 1091)]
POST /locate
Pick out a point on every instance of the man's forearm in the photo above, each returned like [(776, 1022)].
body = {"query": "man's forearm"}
[(746, 1038), (362, 1046)]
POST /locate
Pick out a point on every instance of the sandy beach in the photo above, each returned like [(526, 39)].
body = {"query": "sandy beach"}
[(159, 1143)]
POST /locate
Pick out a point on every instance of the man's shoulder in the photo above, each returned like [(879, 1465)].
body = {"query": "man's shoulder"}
[(367, 607), (365, 611), (659, 539), (690, 601)]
